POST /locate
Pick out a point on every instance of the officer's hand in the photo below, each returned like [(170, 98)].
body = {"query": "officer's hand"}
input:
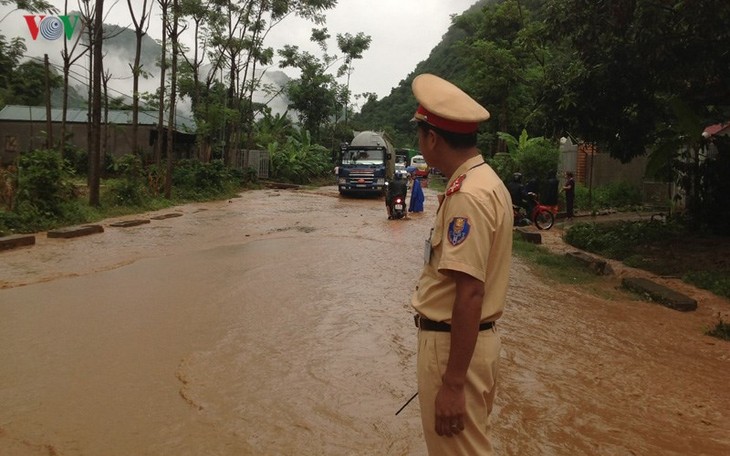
[(450, 410)]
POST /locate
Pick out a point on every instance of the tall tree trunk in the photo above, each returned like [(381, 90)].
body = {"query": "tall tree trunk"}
[(68, 60), (135, 93), (164, 4), (94, 154), (105, 138), (173, 97), (140, 30), (49, 121)]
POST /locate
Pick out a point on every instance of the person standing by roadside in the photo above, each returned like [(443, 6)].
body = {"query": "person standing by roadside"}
[(551, 191), (417, 196), (462, 289), (569, 189)]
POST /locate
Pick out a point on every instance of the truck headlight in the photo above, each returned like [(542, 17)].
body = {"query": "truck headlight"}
[(381, 181), (342, 181)]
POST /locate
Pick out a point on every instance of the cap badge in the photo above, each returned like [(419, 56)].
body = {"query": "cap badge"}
[(458, 230), (456, 185)]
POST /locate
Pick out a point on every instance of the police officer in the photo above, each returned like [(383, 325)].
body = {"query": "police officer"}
[(463, 286)]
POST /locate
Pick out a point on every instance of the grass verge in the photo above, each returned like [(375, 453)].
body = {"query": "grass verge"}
[(556, 268)]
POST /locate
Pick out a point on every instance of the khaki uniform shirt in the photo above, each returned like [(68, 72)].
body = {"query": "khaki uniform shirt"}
[(472, 234)]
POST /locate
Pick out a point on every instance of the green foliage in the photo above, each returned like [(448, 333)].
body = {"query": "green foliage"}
[(313, 95), (503, 164), (647, 53), (717, 281), (619, 240), (617, 195), (195, 180), (129, 189), (298, 160), (551, 266), (536, 159), (43, 182)]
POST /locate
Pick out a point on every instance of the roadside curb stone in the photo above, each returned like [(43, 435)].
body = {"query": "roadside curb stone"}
[(128, 223), (661, 294), (530, 236), (16, 240), (597, 265), (166, 216), (75, 231)]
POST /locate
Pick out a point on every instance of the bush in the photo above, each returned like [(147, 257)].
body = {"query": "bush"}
[(619, 195), (193, 179), (129, 189), (618, 240), (537, 159), (43, 182), (299, 160), (77, 160)]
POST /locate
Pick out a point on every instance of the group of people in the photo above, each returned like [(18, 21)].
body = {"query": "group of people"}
[(525, 195)]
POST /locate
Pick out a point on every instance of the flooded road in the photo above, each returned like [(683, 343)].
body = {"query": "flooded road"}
[(278, 323)]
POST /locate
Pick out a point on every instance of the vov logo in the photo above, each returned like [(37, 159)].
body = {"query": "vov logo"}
[(51, 27)]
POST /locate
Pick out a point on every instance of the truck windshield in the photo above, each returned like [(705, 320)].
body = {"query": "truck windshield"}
[(362, 157)]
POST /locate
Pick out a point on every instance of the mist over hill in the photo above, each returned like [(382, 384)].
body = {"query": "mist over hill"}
[(119, 51)]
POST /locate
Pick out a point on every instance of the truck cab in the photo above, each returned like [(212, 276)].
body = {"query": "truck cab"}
[(365, 164)]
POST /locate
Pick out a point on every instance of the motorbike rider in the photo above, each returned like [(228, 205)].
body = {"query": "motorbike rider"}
[(517, 191), (398, 186)]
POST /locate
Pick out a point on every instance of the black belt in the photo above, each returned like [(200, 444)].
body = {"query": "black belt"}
[(430, 325)]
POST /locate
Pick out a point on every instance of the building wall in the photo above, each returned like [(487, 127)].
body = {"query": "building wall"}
[(19, 136)]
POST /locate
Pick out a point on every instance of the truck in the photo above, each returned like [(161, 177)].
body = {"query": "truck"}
[(365, 164)]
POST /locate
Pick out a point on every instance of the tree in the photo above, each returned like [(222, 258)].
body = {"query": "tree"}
[(165, 6), (141, 25), (10, 54), (502, 64), (632, 58), (352, 47), (95, 150), (174, 32), (32, 6), (67, 55), (312, 95)]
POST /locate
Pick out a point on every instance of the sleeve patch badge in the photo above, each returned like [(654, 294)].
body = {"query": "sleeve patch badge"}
[(458, 230)]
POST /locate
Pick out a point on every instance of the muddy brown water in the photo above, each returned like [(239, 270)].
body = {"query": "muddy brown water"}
[(278, 323)]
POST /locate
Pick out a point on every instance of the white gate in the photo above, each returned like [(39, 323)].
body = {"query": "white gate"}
[(258, 160)]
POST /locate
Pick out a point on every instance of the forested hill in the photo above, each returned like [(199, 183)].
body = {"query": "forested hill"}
[(394, 112)]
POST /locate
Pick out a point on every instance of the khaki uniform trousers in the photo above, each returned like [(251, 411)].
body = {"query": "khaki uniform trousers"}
[(433, 355)]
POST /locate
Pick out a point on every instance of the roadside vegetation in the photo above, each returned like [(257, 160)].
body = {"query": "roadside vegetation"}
[(553, 267), (664, 247), (44, 191)]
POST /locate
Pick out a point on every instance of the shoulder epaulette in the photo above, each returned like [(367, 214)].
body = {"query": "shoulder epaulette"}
[(456, 185)]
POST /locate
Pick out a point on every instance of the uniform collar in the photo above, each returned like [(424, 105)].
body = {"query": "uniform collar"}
[(473, 162), (466, 166)]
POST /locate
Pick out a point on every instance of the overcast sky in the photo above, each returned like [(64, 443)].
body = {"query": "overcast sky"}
[(403, 33)]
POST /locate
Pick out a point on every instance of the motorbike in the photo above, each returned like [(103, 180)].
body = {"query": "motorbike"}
[(397, 204), (541, 216)]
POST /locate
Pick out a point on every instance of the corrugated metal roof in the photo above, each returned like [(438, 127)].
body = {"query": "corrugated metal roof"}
[(74, 115), (717, 129)]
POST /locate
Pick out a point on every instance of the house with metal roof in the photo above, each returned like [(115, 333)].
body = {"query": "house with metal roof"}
[(24, 128)]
